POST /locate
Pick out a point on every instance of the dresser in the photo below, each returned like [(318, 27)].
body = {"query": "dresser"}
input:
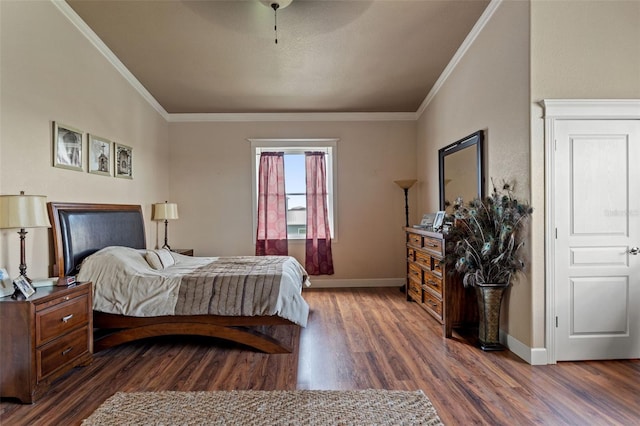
[(44, 337), (436, 290)]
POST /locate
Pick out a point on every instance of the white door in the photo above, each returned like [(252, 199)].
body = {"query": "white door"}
[(597, 217)]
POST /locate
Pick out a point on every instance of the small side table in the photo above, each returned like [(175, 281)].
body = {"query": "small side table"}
[(43, 337), (186, 252)]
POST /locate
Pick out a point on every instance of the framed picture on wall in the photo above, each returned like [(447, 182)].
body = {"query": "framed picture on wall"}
[(123, 161), (99, 155), (67, 147)]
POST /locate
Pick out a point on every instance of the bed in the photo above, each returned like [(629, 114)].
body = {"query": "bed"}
[(137, 296)]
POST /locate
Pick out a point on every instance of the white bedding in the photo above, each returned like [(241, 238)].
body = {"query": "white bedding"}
[(125, 284)]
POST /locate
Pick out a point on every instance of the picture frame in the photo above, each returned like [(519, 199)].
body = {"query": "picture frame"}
[(100, 150), (427, 220), (438, 220), (123, 161), (67, 147), (24, 286)]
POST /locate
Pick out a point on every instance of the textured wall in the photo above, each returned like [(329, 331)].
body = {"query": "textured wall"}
[(50, 72)]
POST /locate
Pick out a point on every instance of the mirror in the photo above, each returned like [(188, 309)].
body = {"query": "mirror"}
[(461, 171)]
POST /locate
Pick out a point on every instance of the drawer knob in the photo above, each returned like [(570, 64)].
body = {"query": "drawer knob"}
[(67, 318), (66, 351)]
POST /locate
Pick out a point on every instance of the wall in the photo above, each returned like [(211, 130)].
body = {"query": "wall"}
[(579, 50), (488, 90), (211, 181), (50, 72)]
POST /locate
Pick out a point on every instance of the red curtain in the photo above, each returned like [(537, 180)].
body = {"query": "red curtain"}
[(319, 260), (271, 237)]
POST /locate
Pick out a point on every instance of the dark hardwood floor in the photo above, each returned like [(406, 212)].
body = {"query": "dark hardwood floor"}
[(356, 339)]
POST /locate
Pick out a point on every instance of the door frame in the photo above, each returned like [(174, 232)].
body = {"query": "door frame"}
[(556, 110)]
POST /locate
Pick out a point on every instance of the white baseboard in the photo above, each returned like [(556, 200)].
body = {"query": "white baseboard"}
[(359, 282), (533, 356)]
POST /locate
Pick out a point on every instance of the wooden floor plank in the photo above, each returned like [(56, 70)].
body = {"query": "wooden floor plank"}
[(356, 339)]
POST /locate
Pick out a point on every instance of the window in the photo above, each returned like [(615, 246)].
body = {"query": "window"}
[(295, 185)]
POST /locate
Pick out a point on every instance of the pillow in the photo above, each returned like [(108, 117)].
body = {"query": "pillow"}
[(153, 259), (165, 257), (159, 259)]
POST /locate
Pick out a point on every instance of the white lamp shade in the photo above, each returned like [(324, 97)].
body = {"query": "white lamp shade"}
[(165, 211), (23, 211)]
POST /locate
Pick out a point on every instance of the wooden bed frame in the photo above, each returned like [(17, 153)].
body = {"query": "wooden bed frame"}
[(79, 230)]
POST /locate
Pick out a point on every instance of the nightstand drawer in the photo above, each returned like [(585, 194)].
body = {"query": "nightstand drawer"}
[(62, 317), (62, 351)]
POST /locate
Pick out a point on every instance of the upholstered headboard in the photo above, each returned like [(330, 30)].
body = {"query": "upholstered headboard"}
[(80, 230)]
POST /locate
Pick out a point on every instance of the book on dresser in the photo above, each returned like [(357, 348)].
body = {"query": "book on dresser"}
[(436, 289)]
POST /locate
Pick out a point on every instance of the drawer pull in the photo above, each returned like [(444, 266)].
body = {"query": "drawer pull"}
[(66, 298), (67, 318), (66, 351), (433, 283)]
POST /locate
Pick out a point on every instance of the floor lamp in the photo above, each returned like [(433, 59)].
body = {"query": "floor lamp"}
[(405, 185), (165, 211), (23, 211)]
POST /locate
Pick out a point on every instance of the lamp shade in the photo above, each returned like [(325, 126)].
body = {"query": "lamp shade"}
[(23, 211), (281, 3), (406, 183), (165, 211)]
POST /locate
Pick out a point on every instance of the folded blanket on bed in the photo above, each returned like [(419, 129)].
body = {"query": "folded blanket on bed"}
[(231, 286), (125, 284)]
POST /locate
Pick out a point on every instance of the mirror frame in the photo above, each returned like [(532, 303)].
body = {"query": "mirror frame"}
[(473, 140)]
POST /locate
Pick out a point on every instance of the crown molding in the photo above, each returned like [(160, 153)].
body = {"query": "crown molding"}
[(302, 116), (453, 63), (84, 29)]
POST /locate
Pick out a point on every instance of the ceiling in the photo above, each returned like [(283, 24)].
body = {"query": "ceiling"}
[(211, 56)]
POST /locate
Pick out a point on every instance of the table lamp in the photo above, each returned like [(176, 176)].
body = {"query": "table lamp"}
[(165, 211), (23, 211)]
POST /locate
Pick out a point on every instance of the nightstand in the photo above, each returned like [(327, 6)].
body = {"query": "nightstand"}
[(44, 337), (186, 252)]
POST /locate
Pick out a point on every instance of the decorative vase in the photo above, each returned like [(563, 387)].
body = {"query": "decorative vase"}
[(489, 302)]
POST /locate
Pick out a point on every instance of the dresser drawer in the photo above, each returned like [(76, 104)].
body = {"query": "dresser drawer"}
[(415, 272), (434, 283), (437, 267), (423, 259), (414, 290), (62, 317), (433, 304), (433, 244), (411, 254), (414, 240), (61, 351)]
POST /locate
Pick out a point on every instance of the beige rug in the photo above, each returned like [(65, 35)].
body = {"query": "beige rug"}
[(248, 408)]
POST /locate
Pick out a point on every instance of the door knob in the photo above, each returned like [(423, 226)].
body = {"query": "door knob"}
[(634, 251)]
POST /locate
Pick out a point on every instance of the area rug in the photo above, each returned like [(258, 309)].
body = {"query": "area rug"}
[(253, 408)]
